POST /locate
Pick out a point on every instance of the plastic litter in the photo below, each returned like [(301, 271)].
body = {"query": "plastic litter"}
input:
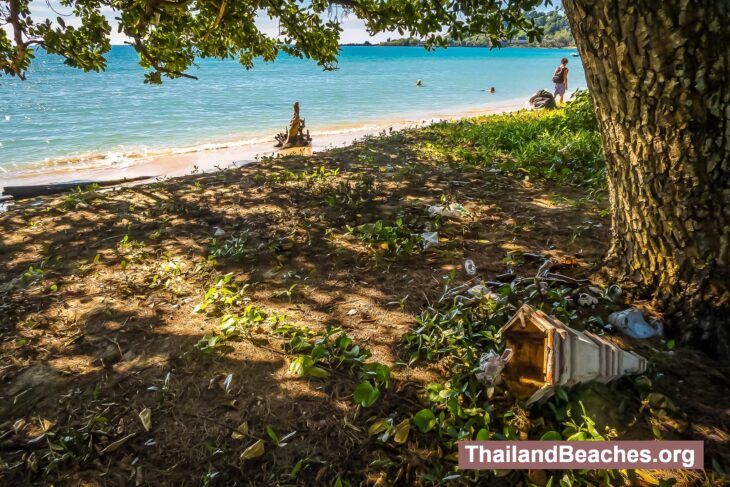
[(453, 210), (219, 232), (480, 291), (491, 366), (550, 354), (429, 239), (470, 267), (615, 294), (585, 299), (631, 322)]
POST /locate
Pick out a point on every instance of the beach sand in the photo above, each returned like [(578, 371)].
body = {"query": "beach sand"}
[(174, 163)]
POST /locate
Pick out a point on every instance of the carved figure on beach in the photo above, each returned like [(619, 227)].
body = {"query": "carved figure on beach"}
[(294, 135)]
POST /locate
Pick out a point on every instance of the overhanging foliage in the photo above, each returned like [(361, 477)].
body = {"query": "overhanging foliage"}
[(169, 35)]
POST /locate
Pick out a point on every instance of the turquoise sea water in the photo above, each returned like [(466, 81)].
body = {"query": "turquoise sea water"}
[(62, 114)]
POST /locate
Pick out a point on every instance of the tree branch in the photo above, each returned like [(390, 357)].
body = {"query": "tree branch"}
[(14, 20), (158, 68)]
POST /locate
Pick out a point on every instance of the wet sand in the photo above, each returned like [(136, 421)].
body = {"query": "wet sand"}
[(177, 163)]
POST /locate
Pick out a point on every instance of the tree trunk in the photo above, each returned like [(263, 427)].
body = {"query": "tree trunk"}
[(659, 74)]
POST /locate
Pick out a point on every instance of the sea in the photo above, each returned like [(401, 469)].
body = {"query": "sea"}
[(61, 117)]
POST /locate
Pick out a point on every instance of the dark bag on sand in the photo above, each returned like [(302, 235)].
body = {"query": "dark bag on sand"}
[(558, 76), (543, 99)]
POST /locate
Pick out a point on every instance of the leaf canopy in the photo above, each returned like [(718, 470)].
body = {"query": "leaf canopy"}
[(169, 35)]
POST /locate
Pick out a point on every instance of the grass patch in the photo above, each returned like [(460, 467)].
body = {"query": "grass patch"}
[(563, 145)]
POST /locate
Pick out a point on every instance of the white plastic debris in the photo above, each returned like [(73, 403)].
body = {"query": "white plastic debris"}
[(452, 210), (615, 294), (631, 322), (491, 366), (219, 232), (585, 299), (429, 239), (480, 291), (228, 383), (470, 267)]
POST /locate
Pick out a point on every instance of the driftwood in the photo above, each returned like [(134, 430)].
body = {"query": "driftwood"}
[(294, 135), (32, 191)]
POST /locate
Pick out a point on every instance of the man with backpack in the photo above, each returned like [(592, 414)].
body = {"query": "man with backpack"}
[(560, 78)]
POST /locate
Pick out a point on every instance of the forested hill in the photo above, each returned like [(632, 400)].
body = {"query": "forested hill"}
[(554, 23)]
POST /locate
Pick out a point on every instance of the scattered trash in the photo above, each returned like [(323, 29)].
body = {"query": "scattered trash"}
[(452, 210), (506, 277), (615, 294), (480, 291), (549, 354), (470, 267), (146, 417), (227, 383), (491, 366), (429, 239), (219, 232), (631, 322), (585, 299)]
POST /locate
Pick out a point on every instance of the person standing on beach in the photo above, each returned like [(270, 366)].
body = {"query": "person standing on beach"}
[(560, 78)]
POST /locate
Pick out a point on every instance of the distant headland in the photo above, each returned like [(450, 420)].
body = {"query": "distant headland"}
[(554, 23)]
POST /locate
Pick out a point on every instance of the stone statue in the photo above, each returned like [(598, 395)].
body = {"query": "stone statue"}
[(294, 135)]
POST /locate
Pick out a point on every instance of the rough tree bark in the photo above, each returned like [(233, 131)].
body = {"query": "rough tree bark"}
[(659, 74)]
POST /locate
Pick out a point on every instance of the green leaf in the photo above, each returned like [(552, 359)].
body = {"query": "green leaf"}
[(272, 434), (482, 435), (579, 436), (379, 371), (318, 372), (295, 470), (424, 420), (365, 394), (551, 436), (301, 365), (562, 395)]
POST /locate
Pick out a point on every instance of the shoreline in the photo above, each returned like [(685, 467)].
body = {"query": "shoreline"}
[(208, 157)]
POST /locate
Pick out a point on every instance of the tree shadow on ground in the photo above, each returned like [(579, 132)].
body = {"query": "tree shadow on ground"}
[(89, 342)]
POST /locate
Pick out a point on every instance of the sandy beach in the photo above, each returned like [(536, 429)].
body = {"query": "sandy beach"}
[(211, 157)]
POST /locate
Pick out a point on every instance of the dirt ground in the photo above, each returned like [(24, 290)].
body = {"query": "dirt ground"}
[(97, 320)]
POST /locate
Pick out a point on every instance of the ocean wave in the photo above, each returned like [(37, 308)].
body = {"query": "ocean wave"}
[(124, 158), (250, 143)]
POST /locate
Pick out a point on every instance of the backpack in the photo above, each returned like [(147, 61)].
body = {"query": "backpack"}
[(558, 77)]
